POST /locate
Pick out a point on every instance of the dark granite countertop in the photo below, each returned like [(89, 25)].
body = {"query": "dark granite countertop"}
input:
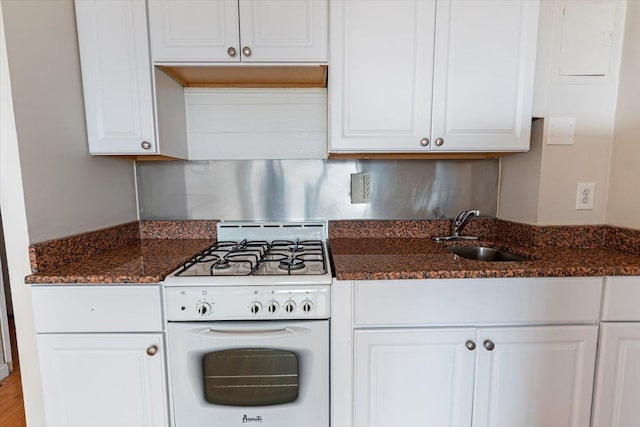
[(148, 251), (411, 258), (142, 261)]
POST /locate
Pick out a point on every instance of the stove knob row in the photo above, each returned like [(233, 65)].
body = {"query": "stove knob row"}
[(203, 308)]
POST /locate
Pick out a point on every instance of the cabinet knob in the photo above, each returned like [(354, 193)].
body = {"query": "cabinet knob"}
[(440, 142), (424, 142), (246, 51), (489, 345), (145, 145), (231, 51), (152, 350), (470, 345)]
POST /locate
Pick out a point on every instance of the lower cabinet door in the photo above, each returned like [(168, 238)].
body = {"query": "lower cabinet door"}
[(103, 380), (535, 376), (617, 400), (413, 377)]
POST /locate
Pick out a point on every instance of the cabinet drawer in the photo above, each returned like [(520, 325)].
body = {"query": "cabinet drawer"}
[(621, 299), (477, 301), (97, 308)]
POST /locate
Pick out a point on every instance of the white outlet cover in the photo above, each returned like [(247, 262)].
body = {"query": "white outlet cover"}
[(585, 195), (561, 130)]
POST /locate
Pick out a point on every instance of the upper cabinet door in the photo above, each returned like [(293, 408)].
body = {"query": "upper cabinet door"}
[(484, 75), (116, 76), (536, 376), (194, 30), (381, 75), (284, 30)]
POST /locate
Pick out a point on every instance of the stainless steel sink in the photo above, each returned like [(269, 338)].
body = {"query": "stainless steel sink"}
[(481, 253)]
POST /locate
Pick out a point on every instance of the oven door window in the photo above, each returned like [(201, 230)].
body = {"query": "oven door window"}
[(250, 377)]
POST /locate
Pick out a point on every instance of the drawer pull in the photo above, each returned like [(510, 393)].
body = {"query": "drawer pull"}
[(152, 350)]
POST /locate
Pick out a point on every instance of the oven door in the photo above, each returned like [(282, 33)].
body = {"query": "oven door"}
[(271, 374)]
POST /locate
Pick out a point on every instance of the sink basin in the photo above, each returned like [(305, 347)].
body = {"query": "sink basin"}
[(481, 253)]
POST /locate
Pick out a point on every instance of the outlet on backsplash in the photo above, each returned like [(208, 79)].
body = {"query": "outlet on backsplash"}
[(360, 188), (586, 193)]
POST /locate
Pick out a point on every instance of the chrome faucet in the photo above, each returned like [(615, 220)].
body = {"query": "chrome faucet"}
[(458, 224), (461, 220)]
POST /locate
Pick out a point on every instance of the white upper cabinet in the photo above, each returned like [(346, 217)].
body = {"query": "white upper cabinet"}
[(483, 78), (380, 74), (386, 56), (118, 81), (238, 30), (194, 30), (116, 76)]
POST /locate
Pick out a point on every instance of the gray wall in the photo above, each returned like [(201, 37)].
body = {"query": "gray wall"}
[(314, 189), (66, 190)]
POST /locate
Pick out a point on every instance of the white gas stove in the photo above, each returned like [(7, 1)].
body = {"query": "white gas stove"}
[(256, 270), (248, 331)]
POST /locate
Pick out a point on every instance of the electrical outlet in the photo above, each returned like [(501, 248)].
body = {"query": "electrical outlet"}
[(586, 193), (360, 188)]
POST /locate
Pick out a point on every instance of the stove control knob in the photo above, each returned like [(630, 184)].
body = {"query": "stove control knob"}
[(255, 307), (272, 307), (203, 308), (307, 306), (289, 306)]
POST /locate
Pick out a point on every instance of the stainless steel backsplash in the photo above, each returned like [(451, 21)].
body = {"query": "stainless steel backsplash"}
[(314, 189)]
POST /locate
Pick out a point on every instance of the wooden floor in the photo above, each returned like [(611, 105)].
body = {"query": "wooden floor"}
[(11, 404)]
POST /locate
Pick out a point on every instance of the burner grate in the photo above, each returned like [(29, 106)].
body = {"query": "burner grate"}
[(258, 257)]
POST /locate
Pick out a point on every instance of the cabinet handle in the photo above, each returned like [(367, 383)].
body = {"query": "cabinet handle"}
[(470, 345), (246, 51), (145, 145), (231, 51), (152, 350), (424, 142), (489, 345), (440, 142)]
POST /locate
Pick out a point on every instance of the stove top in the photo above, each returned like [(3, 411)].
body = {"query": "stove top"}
[(258, 258), (254, 253)]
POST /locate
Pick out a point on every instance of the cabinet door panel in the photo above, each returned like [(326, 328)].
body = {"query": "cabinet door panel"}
[(618, 384), (535, 377), (381, 75), (483, 78), (116, 75), (103, 380), (284, 30), (193, 30), (413, 378)]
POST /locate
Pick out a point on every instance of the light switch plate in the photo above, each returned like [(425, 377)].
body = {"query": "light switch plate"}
[(561, 130)]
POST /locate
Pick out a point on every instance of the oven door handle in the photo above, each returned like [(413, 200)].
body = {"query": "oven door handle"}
[(249, 334)]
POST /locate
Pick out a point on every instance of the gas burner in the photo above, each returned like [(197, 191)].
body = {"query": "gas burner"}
[(221, 264), (291, 264), (296, 247)]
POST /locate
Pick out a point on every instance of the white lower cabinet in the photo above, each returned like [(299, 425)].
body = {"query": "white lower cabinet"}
[(413, 377), (617, 394), (535, 376), (617, 399), (102, 355), (525, 377), (465, 352), (103, 380)]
